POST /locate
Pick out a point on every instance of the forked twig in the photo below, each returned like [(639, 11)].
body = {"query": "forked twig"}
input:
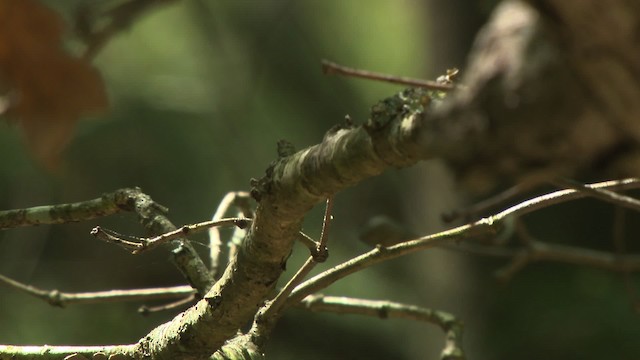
[(271, 311), (602, 194), (240, 200), (150, 214), (138, 245), (487, 225)]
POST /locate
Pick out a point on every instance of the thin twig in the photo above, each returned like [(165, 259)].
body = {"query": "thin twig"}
[(143, 244), (239, 199), (330, 68), (602, 194), (381, 253), (275, 306), (112, 237), (619, 244), (483, 226), (146, 310), (452, 327), (308, 242), (534, 250), (62, 299), (326, 222), (321, 254)]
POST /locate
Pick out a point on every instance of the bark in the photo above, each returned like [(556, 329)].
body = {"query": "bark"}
[(551, 88)]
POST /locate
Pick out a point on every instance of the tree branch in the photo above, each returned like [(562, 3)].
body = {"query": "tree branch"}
[(484, 226), (62, 299), (150, 214), (388, 309)]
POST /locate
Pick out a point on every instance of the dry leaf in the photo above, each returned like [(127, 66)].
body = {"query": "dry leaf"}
[(48, 89)]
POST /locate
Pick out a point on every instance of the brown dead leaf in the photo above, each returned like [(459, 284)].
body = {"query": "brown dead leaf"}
[(48, 89)]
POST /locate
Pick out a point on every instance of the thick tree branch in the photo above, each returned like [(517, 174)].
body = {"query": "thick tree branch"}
[(290, 188)]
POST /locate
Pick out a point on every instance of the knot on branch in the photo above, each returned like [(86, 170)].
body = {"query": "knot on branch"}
[(262, 186), (394, 124), (345, 125), (125, 199), (412, 100), (285, 148)]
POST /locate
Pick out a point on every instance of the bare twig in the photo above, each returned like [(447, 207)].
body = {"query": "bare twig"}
[(602, 194), (142, 244), (113, 237), (619, 244), (487, 225), (326, 223), (238, 199), (381, 253), (534, 250), (308, 242), (557, 197), (330, 68), (62, 299), (146, 310), (387, 309)]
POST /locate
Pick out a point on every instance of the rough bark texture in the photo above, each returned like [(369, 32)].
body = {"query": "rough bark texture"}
[(552, 90), (291, 186)]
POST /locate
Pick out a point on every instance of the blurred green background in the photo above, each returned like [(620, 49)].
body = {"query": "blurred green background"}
[(201, 91)]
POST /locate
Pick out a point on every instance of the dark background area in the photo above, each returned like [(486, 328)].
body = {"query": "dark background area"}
[(201, 91)]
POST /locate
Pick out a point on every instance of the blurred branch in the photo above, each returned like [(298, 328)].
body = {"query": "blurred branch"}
[(469, 213), (97, 26), (62, 299), (600, 193), (535, 250), (452, 327)]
